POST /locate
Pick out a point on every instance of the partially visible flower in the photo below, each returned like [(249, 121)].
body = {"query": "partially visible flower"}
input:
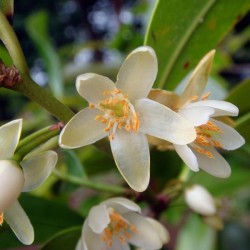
[(212, 134), (15, 179), (116, 223), (122, 112), (200, 200)]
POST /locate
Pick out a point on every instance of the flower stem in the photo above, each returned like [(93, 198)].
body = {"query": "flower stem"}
[(87, 183)]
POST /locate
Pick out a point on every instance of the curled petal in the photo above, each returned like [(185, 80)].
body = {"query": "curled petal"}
[(196, 115), (122, 205), (82, 130), (198, 80), (11, 183), (19, 223), (221, 108), (200, 200), (138, 72), (230, 139), (9, 137), (131, 154), (145, 235), (98, 218), (216, 166), (37, 169), (92, 86), (160, 121), (187, 156)]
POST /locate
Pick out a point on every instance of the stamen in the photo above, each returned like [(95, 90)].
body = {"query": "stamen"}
[(1, 219), (204, 152), (91, 105), (205, 96), (194, 98)]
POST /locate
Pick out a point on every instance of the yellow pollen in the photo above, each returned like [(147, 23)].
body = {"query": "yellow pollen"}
[(1, 219), (194, 98), (91, 105), (119, 228), (205, 96), (205, 138), (118, 112)]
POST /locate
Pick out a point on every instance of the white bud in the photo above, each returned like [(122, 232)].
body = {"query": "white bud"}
[(200, 200), (11, 183)]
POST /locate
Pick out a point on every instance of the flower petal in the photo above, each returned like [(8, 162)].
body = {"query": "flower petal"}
[(80, 245), (118, 245), (221, 108), (98, 218), (196, 115), (122, 205), (37, 169), (11, 183), (216, 166), (160, 229), (82, 130), (19, 223), (138, 72), (230, 139), (9, 137), (199, 78), (187, 156), (160, 121), (145, 235), (91, 87), (131, 154), (200, 200)]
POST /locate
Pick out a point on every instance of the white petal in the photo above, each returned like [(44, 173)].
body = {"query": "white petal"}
[(145, 236), (82, 130), (131, 154), (37, 169), (230, 138), (187, 156), (91, 87), (221, 108), (161, 122), (19, 223), (91, 240), (216, 166), (138, 73), (200, 200), (196, 115), (198, 80), (80, 245), (118, 245), (11, 183), (98, 218), (9, 137), (122, 205), (160, 229)]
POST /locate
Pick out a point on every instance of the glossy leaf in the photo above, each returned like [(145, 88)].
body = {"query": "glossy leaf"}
[(181, 32), (66, 239)]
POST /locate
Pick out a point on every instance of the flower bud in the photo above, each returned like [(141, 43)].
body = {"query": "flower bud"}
[(200, 200), (11, 183)]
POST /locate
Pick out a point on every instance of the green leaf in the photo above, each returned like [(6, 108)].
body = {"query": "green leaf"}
[(37, 28), (66, 239), (196, 235), (239, 96), (181, 32), (243, 126)]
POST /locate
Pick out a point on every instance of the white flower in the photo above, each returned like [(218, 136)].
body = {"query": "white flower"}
[(116, 223), (15, 179), (200, 200), (122, 112), (211, 133)]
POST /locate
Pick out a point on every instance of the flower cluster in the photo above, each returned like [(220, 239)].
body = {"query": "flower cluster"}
[(16, 178)]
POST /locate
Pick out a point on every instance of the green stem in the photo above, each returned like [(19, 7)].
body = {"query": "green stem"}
[(87, 183)]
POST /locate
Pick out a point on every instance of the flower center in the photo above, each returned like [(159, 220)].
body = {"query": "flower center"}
[(118, 112), (1, 219), (118, 227), (206, 137)]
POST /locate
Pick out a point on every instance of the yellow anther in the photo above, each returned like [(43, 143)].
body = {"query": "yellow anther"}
[(204, 152), (205, 96)]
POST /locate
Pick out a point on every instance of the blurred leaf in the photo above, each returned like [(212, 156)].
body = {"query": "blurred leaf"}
[(181, 32), (196, 235), (37, 28), (4, 56), (243, 126), (65, 239), (239, 96), (7, 7)]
